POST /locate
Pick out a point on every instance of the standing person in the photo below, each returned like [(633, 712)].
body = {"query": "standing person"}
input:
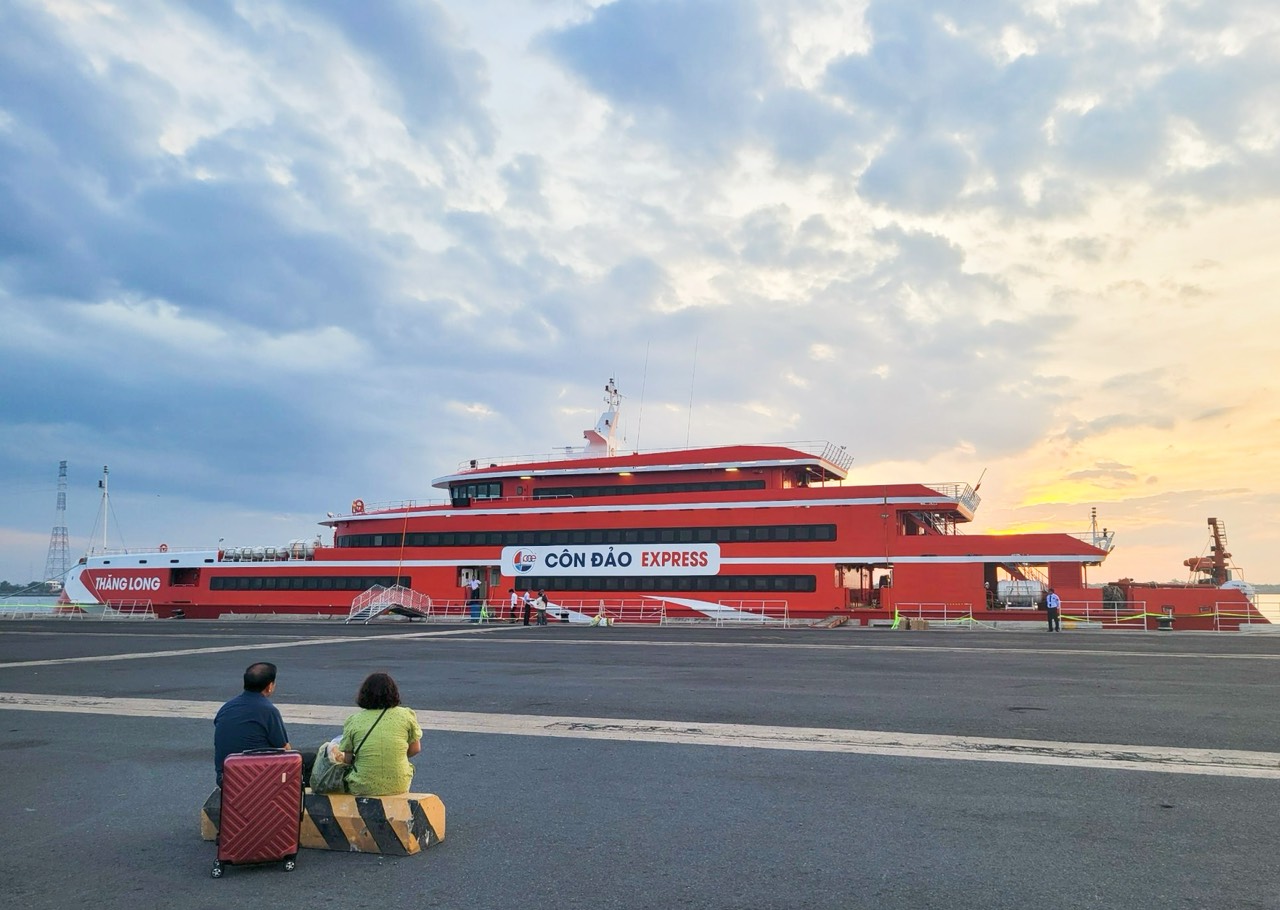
[(379, 739), (528, 605), (250, 720), (472, 587), (515, 600), (1053, 606), (540, 603)]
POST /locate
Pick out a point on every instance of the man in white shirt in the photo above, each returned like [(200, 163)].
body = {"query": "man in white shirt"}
[(1053, 606)]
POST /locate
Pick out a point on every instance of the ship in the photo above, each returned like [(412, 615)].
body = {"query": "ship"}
[(758, 533)]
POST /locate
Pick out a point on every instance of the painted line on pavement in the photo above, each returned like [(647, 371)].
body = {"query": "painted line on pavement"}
[(1102, 756), (265, 646), (933, 649)]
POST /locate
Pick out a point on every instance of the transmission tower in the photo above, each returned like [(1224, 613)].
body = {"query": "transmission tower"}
[(59, 561)]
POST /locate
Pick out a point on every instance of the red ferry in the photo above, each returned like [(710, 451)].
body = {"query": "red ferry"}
[(743, 533)]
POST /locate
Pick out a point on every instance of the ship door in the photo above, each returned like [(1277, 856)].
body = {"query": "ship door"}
[(490, 578), (862, 582), (185, 577)]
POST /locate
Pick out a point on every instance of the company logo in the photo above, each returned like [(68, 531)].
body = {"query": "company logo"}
[(524, 560), (128, 583)]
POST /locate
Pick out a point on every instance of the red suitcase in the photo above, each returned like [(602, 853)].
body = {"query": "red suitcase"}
[(261, 809)]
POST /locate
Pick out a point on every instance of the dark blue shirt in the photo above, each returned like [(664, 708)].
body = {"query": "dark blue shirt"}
[(248, 721)]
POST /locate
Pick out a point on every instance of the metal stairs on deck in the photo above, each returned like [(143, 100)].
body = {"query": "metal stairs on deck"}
[(396, 599)]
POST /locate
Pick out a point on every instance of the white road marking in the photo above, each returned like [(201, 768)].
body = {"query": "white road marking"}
[(1103, 756), (264, 646)]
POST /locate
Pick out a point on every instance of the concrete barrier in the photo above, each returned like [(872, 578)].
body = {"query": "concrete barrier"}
[(399, 825)]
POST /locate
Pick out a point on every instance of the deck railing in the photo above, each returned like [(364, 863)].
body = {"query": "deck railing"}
[(128, 609), (835, 455)]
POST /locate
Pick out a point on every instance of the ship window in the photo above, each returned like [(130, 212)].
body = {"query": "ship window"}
[(677, 583), (269, 583), (739, 534)]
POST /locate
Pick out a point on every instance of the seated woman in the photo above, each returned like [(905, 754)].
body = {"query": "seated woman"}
[(380, 739)]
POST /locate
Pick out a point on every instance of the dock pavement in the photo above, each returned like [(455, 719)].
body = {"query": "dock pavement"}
[(636, 767)]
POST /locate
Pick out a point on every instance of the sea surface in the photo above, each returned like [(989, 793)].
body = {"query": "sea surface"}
[(27, 603)]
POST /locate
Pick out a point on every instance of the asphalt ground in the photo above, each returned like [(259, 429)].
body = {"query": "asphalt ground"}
[(669, 767)]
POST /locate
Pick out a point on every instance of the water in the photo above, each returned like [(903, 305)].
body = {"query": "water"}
[(27, 604), (1269, 606)]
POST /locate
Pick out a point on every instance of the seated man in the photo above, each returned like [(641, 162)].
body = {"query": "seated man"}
[(251, 721)]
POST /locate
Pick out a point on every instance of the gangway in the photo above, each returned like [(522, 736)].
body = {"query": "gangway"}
[(396, 599)]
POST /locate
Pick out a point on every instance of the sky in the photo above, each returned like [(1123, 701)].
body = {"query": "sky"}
[(263, 258)]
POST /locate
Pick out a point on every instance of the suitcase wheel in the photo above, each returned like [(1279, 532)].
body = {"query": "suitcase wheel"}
[(290, 864), (216, 872)]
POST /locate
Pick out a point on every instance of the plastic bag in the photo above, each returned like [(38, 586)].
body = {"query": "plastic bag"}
[(329, 773)]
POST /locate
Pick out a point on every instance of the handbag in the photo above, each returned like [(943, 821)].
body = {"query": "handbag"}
[(329, 776)]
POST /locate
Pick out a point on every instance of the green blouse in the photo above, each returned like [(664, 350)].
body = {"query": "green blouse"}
[(382, 767)]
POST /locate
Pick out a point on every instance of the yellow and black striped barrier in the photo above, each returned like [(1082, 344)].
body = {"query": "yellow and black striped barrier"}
[(399, 825)]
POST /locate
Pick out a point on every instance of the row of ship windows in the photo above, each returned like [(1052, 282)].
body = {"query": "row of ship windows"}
[(301, 582), (634, 489), (757, 583), (740, 583), (465, 492), (737, 534), (489, 490)]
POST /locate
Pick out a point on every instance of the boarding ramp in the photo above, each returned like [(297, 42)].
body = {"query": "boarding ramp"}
[(396, 599)]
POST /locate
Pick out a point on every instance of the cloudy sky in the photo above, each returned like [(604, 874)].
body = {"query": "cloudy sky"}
[(265, 257)]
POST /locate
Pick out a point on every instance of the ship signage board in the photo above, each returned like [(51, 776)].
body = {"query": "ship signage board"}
[(623, 559)]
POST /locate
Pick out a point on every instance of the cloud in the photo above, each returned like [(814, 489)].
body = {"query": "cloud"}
[(264, 258), (1110, 474), (690, 68), (914, 176)]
